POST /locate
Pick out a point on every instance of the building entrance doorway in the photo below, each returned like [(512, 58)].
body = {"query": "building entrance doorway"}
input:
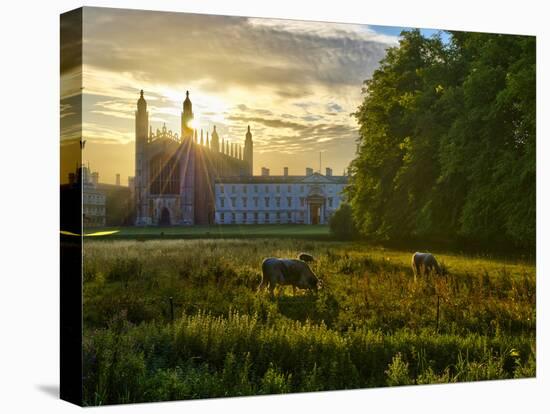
[(315, 213), (164, 217)]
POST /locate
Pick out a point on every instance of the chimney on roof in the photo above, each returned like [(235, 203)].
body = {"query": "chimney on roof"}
[(95, 178), (285, 171), (328, 172), (309, 171), (265, 172), (117, 179)]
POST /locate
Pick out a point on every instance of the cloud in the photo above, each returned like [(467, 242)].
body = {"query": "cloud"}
[(326, 29), (296, 137), (66, 110), (273, 123), (312, 118), (259, 111), (288, 55), (334, 107), (70, 118), (286, 78), (105, 135), (71, 42)]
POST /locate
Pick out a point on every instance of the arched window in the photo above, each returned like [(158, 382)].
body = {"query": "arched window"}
[(164, 175)]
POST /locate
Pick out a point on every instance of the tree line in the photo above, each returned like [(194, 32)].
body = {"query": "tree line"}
[(447, 141)]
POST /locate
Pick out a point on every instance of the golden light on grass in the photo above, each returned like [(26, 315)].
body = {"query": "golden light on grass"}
[(97, 233)]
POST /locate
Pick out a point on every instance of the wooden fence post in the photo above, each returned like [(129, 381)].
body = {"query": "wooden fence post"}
[(437, 317), (171, 309)]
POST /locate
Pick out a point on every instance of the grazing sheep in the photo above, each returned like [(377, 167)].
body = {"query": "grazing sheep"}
[(306, 257), (424, 264), (292, 272)]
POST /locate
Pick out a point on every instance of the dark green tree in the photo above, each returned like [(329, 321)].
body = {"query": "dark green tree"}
[(447, 141), (342, 225)]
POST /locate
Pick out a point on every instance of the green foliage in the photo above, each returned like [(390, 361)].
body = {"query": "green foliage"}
[(275, 382), (398, 372), (447, 141), (341, 224), (371, 325)]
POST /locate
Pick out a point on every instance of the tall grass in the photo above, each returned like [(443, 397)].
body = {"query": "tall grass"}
[(371, 325)]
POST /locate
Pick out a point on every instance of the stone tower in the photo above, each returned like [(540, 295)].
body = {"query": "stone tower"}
[(215, 143), (248, 151), (142, 128), (187, 118)]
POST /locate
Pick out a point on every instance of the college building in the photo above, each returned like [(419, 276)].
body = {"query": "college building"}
[(93, 200), (191, 178), (283, 199), (174, 173)]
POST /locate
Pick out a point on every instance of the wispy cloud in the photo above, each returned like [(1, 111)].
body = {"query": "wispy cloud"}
[(326, 30), (295, 82), (94, 133), (273, 123)]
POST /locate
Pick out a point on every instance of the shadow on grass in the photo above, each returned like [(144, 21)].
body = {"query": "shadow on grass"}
[(299, 307)]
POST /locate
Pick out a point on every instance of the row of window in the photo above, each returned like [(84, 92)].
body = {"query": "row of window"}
[(93, 210), (257, 188), (93, 198), (232, 217), (93, 220), (266, 204)]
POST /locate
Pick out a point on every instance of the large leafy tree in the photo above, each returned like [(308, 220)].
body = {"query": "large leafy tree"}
[(447, 140)]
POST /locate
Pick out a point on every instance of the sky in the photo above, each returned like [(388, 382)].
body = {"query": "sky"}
[(296, 83)]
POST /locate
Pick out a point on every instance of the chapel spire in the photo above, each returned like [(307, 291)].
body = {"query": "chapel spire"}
[(215, 141), (248, 155), (187, 118)]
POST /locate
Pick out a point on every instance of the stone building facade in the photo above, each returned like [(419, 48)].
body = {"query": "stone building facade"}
[(93, 199), (174, 174), (265, 199)]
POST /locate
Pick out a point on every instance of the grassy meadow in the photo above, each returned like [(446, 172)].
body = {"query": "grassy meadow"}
[(302, 231), (181, 319)]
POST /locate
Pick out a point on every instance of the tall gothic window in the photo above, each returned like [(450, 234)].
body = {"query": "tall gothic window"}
[(164, 177)]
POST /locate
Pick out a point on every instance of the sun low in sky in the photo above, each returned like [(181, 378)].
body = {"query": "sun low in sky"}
[(296, 84)]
